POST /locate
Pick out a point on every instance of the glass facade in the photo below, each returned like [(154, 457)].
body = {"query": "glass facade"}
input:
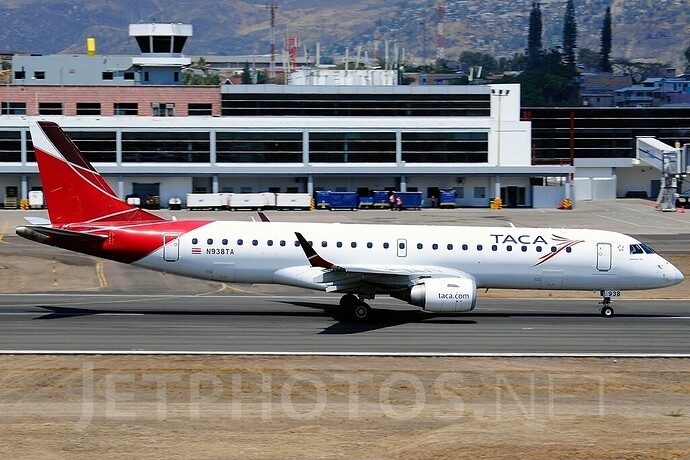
[(166, 147), (350, 105), (445, 147), (352, 147), (259, 147), (10, 146), (601, 132)]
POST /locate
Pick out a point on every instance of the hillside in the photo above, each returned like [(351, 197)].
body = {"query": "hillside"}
[(642, 29)]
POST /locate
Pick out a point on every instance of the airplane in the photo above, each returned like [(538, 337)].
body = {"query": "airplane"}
[(436, 268)]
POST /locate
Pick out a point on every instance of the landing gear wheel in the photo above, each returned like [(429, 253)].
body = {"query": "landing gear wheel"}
[(361, 312), (606, 311), (354, 308), (349, 301)]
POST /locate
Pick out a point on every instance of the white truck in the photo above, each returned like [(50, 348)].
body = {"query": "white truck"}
[(256, 201), (297, 201), (215, 201)]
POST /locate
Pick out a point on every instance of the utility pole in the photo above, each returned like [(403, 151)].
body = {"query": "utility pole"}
[(272, 11), (440, 36)]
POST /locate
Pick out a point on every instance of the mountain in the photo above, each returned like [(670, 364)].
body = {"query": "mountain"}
[(655, 30)]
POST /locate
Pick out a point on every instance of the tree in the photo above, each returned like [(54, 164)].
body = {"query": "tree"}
[(605, 51), (687, 55), (534, 47), (246, 74), (477, 59), (569, 37), (639, 71), (588, 60)]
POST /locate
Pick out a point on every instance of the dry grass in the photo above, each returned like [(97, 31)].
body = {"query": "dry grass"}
[(342, 407)]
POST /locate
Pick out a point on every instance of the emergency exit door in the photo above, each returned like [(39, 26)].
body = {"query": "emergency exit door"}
[(603, 257), (171, 247)]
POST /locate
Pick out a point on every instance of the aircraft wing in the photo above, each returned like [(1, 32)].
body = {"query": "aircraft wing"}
[(345, 277)]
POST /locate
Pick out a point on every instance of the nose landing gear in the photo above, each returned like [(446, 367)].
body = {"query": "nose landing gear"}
[(606, 309)]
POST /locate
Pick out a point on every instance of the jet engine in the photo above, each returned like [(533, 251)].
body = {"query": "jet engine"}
[(444, 295)]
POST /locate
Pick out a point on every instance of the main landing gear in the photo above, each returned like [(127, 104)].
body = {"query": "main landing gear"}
[(355, 308), (606, 309)]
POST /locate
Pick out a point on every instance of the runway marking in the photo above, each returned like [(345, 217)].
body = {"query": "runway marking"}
[(4, 231), (623, 221), (227, 287), (345, 353), (100, 273)]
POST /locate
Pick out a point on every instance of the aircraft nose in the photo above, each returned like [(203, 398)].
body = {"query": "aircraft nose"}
[(678, 276)]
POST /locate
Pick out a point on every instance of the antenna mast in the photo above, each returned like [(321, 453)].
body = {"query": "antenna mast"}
[(272, 10), (440, 37)]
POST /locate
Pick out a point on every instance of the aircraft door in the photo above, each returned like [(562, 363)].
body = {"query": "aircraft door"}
[(171, 247), (402, 247), (603, 257)]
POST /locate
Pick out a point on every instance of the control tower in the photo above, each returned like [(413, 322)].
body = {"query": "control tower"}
[(161, 48)]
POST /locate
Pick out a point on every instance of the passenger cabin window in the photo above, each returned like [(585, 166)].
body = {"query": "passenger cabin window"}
[(194, 241), (209, 241), (386, 245)]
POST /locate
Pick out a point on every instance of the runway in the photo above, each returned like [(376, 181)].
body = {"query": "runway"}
[(111, 309), (304, 324)]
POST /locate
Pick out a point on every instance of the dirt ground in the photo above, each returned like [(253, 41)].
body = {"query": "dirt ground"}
[(253, 407)]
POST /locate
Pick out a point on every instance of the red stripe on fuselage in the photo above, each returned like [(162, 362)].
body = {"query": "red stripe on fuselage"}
[(126, 242)]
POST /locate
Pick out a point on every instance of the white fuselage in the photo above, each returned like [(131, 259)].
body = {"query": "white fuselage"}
[(496, 257)]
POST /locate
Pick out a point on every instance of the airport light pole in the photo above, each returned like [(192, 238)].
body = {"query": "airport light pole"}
[(500, 94)]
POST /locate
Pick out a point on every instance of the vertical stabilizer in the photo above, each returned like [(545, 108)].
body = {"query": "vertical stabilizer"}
[(74, 191)]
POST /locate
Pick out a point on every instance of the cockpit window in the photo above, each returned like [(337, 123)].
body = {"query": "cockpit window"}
[(647, 249), (640, 248), (635, 249)]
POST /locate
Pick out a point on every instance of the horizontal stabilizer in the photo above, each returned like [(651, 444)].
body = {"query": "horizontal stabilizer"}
[(41, 234)]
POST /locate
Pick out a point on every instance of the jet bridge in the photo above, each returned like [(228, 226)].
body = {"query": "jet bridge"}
[(670, 161)]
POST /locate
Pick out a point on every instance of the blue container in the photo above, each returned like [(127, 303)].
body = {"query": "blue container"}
[(343, 200), (447, 199), (410, 200), (380, 198), (322, 199)]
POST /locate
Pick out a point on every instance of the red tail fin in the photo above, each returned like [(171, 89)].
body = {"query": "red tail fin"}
[(73, 190)]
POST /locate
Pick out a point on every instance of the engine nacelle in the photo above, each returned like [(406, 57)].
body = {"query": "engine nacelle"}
[(445, 295)]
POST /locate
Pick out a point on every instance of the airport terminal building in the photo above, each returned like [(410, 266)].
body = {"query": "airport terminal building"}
[(296, 139)]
